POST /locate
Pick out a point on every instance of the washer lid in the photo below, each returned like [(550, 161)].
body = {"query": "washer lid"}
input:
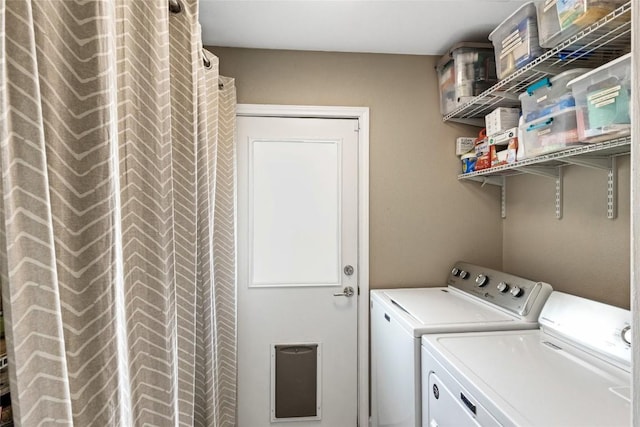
[(433, 310), (527, 378)]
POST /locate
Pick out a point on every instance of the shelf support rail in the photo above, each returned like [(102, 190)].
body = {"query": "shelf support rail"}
[(559, 194), (503, 198), (611, 166), (553, 173), (501, 182)]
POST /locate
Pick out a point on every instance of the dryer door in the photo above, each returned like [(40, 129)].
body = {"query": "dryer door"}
[(451, 407), (445, 409)]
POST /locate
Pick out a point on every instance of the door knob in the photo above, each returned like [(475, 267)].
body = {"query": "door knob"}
[(346, 292)]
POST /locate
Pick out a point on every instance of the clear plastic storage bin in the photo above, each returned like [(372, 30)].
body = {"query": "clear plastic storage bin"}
[(560, 19), (549, 95), (551, 133), (467, 70), (603, 101), (447, 84), (515, 40)]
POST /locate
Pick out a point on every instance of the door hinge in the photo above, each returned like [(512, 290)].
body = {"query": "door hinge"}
[(358, 290)]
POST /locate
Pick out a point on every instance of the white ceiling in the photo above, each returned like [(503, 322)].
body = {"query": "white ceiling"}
[(419, 27)]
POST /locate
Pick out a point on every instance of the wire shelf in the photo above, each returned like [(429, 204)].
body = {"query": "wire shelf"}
[(614, 147), (603, 41)]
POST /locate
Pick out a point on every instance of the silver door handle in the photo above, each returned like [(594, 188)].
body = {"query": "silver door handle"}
[(346, 292)]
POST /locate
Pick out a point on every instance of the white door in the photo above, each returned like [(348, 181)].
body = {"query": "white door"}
[(297, 267)]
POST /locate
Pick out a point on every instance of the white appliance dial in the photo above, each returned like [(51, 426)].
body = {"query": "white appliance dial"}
[(455, 271), (626, 335), (481, 280), (516, 291), (464, 274), (503, 287)]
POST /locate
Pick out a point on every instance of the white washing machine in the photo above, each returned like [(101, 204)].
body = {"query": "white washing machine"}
[(475, 299), (574, 371)]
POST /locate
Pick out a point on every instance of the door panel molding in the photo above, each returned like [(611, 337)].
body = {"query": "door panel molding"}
[(267, 260), (362, 116)]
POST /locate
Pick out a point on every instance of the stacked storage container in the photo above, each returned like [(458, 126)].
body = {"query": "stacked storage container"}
[(447, 84), (603, 101), (549, 115), (573, 108), (515, 40), (467, 70), (502, 128), (560, 19)]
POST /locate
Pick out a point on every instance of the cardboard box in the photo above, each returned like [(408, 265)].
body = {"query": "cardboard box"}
[(464, 145), (498, 155), (501, 119), (483, 154), (512, 150), (503, 137)]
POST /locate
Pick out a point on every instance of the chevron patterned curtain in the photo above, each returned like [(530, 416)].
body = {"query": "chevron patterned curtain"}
[(117, 216)]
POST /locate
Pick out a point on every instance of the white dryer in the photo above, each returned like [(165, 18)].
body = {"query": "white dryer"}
[(475, 299), (574, 371)]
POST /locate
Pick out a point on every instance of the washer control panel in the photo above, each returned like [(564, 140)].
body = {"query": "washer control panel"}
[(600, 328), (518, 295)]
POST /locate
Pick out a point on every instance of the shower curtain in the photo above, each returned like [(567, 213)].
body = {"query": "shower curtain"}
[(116, 216)]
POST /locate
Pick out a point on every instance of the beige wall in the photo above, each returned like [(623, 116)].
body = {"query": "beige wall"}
[(584, 253), (422, 219)]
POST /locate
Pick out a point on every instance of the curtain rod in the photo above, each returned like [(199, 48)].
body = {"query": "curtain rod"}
[(206, 61), (175, 6)]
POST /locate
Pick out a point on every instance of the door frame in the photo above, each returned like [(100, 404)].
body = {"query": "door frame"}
[(635, 219), (362, 115)]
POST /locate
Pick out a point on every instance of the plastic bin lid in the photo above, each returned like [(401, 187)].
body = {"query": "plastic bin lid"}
[(444, 60), (524, 6), (554, 115), (574, 71), (616, 61)]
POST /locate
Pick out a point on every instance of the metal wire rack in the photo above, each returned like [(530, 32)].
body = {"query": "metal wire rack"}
[(603, 41), (615, 147)]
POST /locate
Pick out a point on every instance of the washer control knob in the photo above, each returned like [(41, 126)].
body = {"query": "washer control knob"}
[(516, 291), (464, 274), (503, 287), (481, 280), (455, 271), (626, 335)]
